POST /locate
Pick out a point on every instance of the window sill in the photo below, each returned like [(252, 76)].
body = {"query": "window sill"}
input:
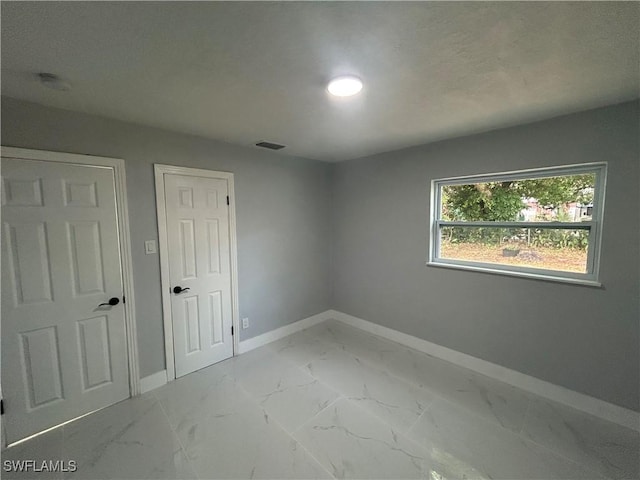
[(511, 273)]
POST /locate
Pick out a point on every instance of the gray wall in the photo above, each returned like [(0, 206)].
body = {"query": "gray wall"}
[(580, 337), (283, 208), (375, 229)]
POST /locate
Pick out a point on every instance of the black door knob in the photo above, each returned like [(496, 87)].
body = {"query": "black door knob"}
[(112, 301), (179, 289)]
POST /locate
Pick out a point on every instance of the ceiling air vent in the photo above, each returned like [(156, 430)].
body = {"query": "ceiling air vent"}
[(269, 145)]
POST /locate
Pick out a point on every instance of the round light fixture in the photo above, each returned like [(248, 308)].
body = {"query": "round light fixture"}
[(344, 86)]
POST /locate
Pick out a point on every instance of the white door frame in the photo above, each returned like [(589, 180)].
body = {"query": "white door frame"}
[(163, 242), (122, 211)]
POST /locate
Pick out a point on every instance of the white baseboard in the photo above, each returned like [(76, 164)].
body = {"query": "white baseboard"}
[(594, 406), (278, 333), (153, 381)]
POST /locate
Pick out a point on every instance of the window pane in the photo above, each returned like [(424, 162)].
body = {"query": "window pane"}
[(565, 198), (544, 248)]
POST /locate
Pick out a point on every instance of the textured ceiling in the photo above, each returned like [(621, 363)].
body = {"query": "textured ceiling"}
[(243, 72)]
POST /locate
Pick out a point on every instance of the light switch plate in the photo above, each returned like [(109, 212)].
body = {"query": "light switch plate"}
[(150, 247)]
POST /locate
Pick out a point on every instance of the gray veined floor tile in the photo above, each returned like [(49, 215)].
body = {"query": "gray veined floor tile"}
[(610, 449), (333, 333), (131, 439), (259, 358), (326, 331), (351, 443), (192, 398), (288, 394), (463, 443), (348, 398), (300, 348), (393, 400), (363, 345), (240, 440), (492, 399), (47, 446)]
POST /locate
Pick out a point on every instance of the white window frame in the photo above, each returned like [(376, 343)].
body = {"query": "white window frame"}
[(590, 278)]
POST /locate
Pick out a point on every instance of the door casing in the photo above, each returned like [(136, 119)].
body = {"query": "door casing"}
[(122, 211), (160, 171)]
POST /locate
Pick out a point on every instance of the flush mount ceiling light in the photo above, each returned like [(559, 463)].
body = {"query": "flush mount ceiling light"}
[(344, 86), (53, 81)]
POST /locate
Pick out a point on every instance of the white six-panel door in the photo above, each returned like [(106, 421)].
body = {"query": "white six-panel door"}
[(62, 354), (198, 240)]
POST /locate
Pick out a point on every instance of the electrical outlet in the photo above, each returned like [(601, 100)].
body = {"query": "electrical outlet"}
[(245, 323)]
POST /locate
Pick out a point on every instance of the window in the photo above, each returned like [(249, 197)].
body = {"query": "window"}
[(542, 223)]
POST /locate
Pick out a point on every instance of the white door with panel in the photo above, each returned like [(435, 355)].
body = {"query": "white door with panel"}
[(198, 240), (63, 354)]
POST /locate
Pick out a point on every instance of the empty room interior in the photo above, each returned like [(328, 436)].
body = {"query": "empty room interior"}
[(367, 240)]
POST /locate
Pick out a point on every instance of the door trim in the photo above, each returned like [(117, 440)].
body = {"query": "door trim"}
[(163, 244), (122, 212)]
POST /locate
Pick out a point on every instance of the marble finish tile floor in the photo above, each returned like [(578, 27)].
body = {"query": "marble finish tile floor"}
[(336, 402)]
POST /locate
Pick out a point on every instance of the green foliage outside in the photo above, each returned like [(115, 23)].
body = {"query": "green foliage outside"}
[(504, 201)]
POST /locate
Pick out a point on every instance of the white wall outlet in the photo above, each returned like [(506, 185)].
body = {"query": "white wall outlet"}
[(245, 323), (150, 247)]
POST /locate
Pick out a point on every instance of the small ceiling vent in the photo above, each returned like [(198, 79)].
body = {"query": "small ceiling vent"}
[(269, 145), (53, 81)]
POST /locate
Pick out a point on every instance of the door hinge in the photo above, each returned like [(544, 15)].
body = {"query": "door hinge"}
[(124, 299), (231, 329), (228, 200), (2, 407)]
